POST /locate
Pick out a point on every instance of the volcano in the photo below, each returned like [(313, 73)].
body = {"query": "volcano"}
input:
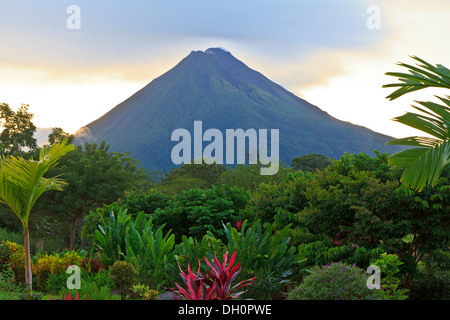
[(221, 91)]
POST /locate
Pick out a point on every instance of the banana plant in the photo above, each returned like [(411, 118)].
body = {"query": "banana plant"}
[(151, 251), (22, 182), (110, 236), (191, 250), (263, 253)]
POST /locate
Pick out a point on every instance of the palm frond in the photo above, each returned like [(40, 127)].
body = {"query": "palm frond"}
[(422, 166), (422, 76), (22, 181)]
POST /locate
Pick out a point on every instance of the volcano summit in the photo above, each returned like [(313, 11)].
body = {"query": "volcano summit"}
[(216, 88)]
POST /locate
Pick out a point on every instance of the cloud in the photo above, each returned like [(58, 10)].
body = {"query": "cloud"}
[(316, 49), (118, 38)]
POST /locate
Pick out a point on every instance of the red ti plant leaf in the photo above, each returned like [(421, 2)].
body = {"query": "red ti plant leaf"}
[(223, 276), (238, 225), (216, 284), (197, 289)]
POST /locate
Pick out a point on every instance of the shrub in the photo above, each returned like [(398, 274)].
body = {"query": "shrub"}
[(95, 286), (110, 236), (190, 251), (122, 275), (264, 253), (5, 253), (150, 251), (280, 202), (216, 283), (373, 209), (55, 283), (67, 297), (433, 279), (11, 236), (143, 292), (431, 285), (92, 265), (134, 203), (43, 269), (197, 211), (8, 288), (54, 264), (325, 251), (7, 280), (388, 264), (334, 281), (137, 291), (17, 262), (63, 260), (222, 275), (34, 296), (151, 295)]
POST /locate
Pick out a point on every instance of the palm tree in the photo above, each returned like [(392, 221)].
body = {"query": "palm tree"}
[(22, 182), (423, 164)]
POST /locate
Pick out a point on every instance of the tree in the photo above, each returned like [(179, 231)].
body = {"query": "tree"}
[(59, 134), (248, 176), (196, 211), (424, 163), (310, 162), (96, 176), (357, 208), (22, 182), (18, 130)]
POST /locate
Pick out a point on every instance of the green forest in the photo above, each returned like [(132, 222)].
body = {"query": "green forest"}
[(310, 232)]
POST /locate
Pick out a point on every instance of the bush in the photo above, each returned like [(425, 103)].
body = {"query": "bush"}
[(134, 203), (63, 260), (191, 251), (280, 202), (11, 236), (216, 284), (55, 283), (111, 233), (122, 275), (5, 254), (433, 279), (323, 252), (54, 264), (263, 253), (143, 292), (197, 211), (431, 286), (8, 288), (94, 285), (17, 262), (43, 269), (150, 251), (92, 264), (390, 284), (7, 280), (334, 281)]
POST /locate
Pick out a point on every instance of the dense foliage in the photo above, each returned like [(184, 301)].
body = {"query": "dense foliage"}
[(334, 281), (317, 215)]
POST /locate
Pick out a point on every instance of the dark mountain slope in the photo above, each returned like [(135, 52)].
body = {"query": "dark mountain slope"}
[(216, 88)]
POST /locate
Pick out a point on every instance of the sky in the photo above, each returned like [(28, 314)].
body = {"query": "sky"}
[(72, 66)]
